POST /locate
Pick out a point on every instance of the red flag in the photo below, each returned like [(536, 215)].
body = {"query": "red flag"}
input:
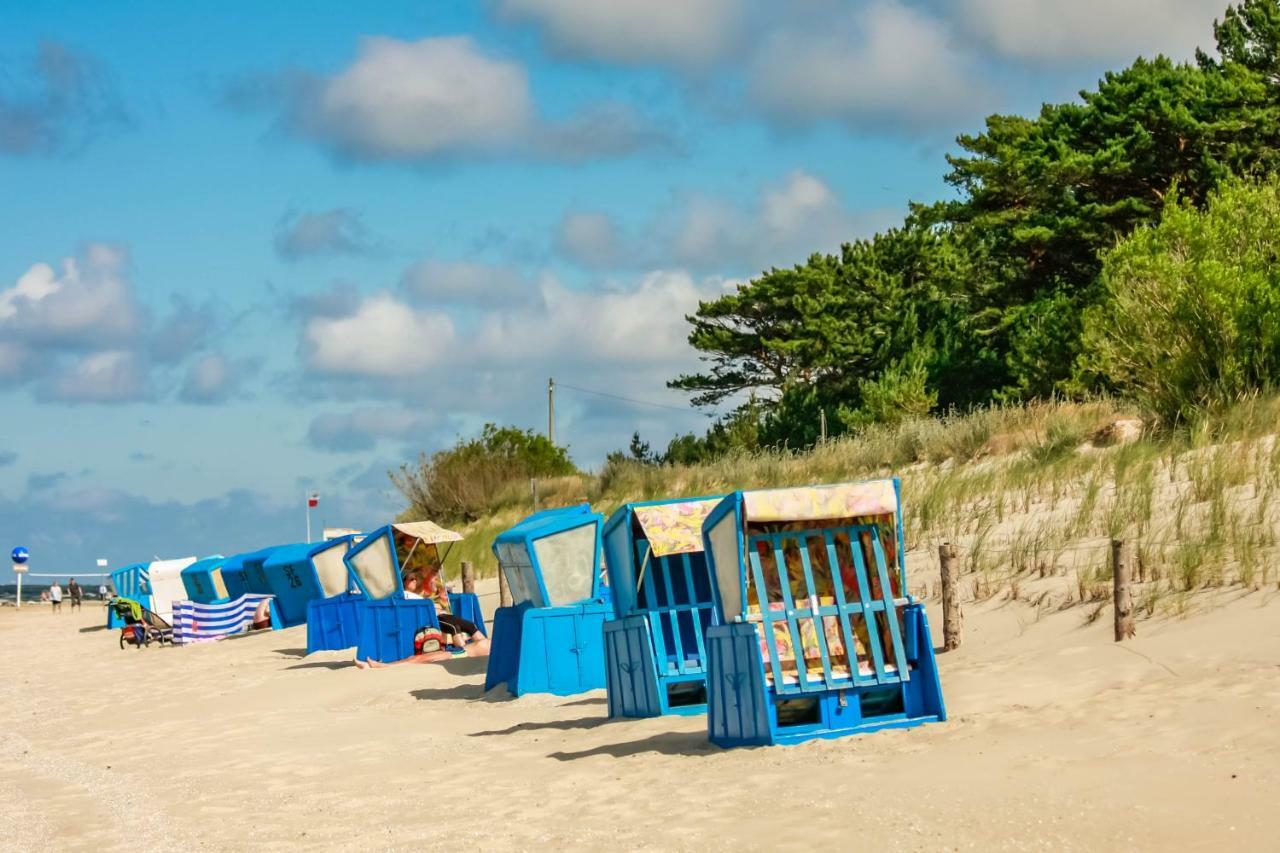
[(313, 500)]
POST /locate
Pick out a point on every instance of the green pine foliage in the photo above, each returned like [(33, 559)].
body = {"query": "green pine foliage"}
[(987, 298)]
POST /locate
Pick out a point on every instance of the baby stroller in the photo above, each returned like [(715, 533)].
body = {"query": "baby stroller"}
[(141, 626)]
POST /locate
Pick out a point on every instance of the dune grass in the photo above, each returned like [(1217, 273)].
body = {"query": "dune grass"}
[(1025, 493)]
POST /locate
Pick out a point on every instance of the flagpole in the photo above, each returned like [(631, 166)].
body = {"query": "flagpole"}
[(307, 500)]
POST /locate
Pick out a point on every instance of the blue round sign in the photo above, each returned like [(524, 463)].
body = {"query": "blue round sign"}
[(20, 555)]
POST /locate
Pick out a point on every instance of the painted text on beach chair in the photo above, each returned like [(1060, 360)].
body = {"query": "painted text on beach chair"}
[(655, 647), (298, 574), (548, 640), (819, 638), (203, 582), (387, 619)]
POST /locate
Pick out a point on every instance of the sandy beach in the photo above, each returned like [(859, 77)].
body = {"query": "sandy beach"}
[(1058, 739)]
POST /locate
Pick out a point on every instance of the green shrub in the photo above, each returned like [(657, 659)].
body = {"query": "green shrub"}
[(1191, 317), (479, 475)]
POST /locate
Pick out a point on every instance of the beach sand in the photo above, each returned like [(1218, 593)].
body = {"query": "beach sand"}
[(1058, 739)]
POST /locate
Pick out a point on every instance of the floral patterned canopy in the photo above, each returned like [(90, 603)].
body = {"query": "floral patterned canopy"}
[(675, 528), (812, 503)]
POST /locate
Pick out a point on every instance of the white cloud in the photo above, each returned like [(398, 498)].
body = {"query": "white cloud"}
[(1046, 31), (788, 220), (466, 283), (382, 338), (880, 65), (590, 238), (402, 100), (632, 31), (88, 304), (214, 378), (110, 376), (439, 97), (325, 232)]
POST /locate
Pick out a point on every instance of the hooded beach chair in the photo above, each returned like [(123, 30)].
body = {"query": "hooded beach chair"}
[(549, 639), (302, 573), (655, 649), (387, 620), (129, 582), (203, 581), (819, 638)]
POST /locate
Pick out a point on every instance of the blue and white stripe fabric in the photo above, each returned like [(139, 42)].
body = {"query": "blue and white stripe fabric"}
[(198, 623)]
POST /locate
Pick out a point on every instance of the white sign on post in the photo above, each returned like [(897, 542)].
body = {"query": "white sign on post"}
[(19, 568)]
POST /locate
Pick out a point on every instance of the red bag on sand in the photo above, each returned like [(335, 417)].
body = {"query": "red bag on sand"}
[(428, 640)]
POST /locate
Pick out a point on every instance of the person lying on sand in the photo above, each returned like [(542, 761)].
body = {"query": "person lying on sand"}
[(454, 630)]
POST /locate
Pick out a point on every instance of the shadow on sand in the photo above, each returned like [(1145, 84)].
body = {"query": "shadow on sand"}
[(469, 692), (93, 628), (692, 744), (291, 653), (580, 724), (323, 664)]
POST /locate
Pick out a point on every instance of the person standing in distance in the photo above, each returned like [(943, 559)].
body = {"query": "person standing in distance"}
[(76, 593), (55, 596)]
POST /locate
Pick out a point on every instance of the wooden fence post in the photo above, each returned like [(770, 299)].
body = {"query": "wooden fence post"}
[(952, 615), (1123, 599), (504, 591), (468, 577)]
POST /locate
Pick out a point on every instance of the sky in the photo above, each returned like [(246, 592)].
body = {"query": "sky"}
[(249, 250)]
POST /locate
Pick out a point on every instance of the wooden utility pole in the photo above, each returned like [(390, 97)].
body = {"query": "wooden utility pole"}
[(1123, 599), (551, 410), (952, 615), (822, 426), (468, 577)]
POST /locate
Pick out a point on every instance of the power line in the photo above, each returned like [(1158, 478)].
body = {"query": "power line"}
[(623, 399)]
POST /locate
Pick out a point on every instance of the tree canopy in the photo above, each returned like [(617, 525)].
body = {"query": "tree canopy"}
[(984, 297)]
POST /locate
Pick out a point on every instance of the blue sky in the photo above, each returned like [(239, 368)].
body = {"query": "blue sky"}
[(250, 249)]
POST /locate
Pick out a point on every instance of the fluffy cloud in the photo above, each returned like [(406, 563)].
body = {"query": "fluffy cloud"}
[(382, 338), (326, 232), (880, 65), (76, 332), (66, 101), (463, 283), (632, 31), (590, 238), (789, 219), (187, 329), (439, 97), (1047, 31), (361, 429), (110, 376), (214, 378), (87, 304)]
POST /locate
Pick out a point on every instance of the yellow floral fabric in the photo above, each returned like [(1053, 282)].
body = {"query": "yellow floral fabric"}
[(811, 503), (675, 528), (824, 594)]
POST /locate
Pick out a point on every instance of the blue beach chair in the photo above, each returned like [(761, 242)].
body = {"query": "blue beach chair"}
[(655, 647), (548, 640), (302, 573), (203, 580), (387, 620), (129, 582), (819, 638)]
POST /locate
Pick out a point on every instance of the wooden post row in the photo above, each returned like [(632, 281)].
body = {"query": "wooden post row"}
[(1123, 598), (952, 615)]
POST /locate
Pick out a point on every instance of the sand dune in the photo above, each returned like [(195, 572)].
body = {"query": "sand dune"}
[(1059, 739)]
